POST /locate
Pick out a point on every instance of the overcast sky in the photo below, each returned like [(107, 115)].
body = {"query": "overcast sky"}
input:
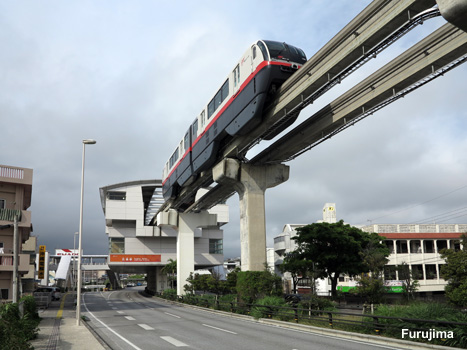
[(134, 74)]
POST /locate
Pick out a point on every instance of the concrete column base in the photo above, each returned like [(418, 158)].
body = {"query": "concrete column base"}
[(251, 182)]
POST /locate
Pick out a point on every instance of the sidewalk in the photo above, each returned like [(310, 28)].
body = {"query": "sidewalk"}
[(58, 329)]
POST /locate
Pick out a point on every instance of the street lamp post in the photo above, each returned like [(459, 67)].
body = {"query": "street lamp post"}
[(74, 261), (80, 233)]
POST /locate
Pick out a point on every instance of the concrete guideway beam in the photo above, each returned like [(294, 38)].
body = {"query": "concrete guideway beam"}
[(251, 182), (455, 12)]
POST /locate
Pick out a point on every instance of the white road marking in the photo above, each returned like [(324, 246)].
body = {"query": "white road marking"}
[(110, 329), (120, 312), (173, 341), (129, 318), (145, 326), (172, 315), (219, 329)]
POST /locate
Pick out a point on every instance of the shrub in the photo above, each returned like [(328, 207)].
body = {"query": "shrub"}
[(271, 306), (253, 285)]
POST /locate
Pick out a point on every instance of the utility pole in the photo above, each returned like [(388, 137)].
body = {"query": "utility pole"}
[(15, 260)]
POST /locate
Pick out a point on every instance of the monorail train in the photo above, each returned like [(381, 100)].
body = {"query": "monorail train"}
[(236, 108)]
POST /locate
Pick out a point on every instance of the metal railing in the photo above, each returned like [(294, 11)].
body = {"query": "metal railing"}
[(348, 321)]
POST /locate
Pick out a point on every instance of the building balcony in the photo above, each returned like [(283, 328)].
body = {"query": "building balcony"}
[(6, 263), (7, 217)]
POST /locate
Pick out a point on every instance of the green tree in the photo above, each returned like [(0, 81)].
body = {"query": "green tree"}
[(253, 285), (409, 284), (371, 285), (298, 268), (455, 273), (335, 249), (170, 270)]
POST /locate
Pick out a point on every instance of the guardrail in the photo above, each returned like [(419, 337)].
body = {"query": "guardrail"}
[(43, 299)]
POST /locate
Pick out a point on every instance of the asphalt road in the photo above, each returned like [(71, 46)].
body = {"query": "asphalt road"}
[(127, 320)]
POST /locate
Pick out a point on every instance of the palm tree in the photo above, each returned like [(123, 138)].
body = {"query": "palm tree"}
[(170, 269)]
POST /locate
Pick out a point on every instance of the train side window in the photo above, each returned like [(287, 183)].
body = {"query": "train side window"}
[(202, 118), (217, 99), (174, 158), (195, 128), (236, 76), (181, 149), (211, 108), (225, 90), (186, 140), (254, 52), (264, 51)]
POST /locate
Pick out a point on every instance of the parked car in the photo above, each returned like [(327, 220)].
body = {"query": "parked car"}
[(55, 291)]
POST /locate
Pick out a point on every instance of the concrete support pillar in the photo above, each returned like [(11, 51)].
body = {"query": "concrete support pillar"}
[(152, 279), (455, 12), (251, 182), (188, 223)]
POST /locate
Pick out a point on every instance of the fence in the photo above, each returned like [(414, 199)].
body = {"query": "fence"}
[(362, 323)]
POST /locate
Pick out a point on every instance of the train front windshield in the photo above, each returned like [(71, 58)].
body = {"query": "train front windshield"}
[(283, 51)]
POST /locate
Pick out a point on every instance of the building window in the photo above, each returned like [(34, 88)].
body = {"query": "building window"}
[(390, 245), (2, 203), (415, 247), (304, 282), (4, 294), (428, 246), (216, 246), (441, 244), (390, 272), (401, 247), (430, 271), (279, 239), (117, 245), (455, 244), (116, 196), (417, 272)]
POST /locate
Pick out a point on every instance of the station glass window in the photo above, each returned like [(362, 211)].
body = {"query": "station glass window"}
[(116, 195), (117, 245), (216, 246)]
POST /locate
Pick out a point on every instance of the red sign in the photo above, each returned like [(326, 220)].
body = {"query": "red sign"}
[(135, 258)]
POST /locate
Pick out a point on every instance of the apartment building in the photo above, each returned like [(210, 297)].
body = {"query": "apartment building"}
[(15, 228)]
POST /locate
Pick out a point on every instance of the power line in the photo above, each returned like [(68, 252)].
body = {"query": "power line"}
[(416, 205)]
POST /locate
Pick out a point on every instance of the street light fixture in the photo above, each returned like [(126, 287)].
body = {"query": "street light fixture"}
[(80, 233)]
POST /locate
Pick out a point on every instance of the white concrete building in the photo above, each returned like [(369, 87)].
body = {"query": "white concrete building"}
[(136, 247), (284, 243)]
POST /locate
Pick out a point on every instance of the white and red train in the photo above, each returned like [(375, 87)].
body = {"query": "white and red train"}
[(235, 109)]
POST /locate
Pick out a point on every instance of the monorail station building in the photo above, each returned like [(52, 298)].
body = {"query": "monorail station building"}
[(135, 246)]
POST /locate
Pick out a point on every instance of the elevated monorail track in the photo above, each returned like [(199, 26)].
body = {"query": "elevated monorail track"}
[(372, 31)]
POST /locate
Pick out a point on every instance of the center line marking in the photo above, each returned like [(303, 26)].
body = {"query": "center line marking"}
[(172, 315), (219, 329), (173, 341), (145, 326)]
